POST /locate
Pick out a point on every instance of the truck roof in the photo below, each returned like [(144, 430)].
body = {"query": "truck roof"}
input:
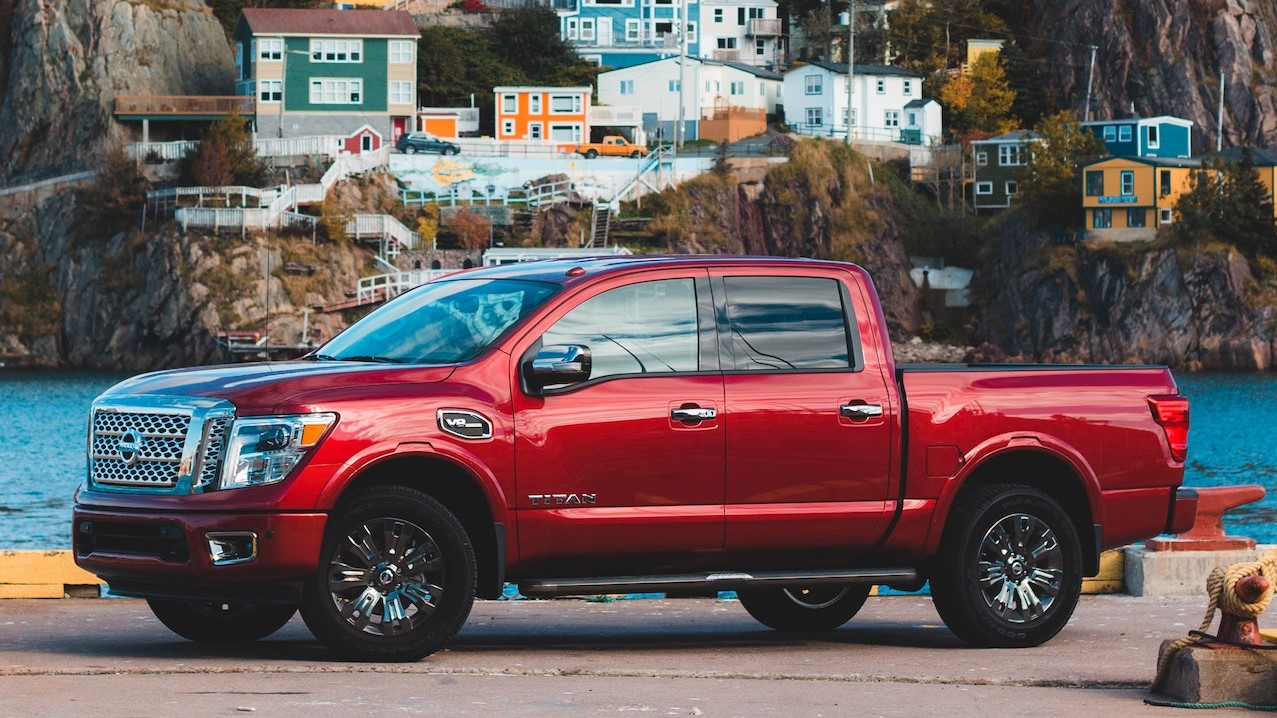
[(557, 270)]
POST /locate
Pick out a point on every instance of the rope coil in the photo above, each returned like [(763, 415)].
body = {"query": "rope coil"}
[(1221, 588)]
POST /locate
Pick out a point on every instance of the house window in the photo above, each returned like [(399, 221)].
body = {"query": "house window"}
[(1154, 140), (1012, 188), (1165, 182), (737, 88), (908, 87), (610, 3), (627, 87), (882, 86), (401, 92), (1128, 183), (850, 117), (911, 118), (981, 159), (1010, 155), (336, 50), (1124, 133), (1110, 134), (587, 29), (565, 104), (1164, 215), (984, 188), (535, 131), (1101, 218), (672, 85), (815, 116), (270, 90), (718, 14), (1094, 183), (270, 48), (509, 104), (633, 30), (1136, 218), (691, 31), (401, 52), (891, 118), (534, 104), (727, 43), (336, 91), (565, 133), (760, 46), (507, 128), (756, 13), (814, 84)]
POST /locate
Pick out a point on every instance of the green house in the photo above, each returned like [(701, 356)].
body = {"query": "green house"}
[(348, 73), (998, 162)]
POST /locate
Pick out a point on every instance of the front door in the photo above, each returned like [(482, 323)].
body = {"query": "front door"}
[(624, 472), (809, 439)]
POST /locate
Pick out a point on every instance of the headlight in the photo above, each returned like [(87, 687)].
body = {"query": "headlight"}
[(263, 450)]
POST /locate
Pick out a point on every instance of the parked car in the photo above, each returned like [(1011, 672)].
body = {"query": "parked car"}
[(564, 425), (414, 142), (611, 146)]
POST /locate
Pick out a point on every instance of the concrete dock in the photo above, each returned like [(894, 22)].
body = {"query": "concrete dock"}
[(700, 657)]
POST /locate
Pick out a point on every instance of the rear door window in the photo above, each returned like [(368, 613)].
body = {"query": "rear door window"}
[(786, 323)]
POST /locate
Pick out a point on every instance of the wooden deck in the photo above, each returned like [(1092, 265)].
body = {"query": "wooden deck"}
[(178, 107)]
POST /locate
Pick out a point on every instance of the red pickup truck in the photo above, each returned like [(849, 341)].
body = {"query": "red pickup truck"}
[(622, 424)]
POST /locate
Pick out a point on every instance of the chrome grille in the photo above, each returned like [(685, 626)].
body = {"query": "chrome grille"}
[(211, 456), (152, 456)]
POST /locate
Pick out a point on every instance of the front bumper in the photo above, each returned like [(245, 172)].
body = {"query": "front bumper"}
[(167, 554)]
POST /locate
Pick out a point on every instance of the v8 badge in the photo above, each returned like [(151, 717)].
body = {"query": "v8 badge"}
[(465, 424)]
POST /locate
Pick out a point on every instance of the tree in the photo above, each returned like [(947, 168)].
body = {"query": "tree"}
[(1023, 79), (112, 202), (1049, 183), (1227, 203), (979, 102), (528, 38), (1200, 210), (226, 155), (473, 230)]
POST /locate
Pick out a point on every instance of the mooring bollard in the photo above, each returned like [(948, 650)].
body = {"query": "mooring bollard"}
[(1207, 533)]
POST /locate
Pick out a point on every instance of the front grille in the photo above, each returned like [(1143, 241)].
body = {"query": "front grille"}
[(211, 456), (137, 449)]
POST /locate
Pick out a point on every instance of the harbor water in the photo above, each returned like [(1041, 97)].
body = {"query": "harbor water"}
[(42, 448)]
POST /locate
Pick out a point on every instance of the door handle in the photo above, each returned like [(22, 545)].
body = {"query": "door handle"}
[(860, 412), (692, 414)]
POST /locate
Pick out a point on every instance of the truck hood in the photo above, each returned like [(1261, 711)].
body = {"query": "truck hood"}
[(260, 387)]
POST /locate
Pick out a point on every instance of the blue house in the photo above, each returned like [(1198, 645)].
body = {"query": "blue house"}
[(622, 33), (1162, 136)]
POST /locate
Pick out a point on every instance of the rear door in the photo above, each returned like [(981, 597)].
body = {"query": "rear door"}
[(809, 435), (624, 472)]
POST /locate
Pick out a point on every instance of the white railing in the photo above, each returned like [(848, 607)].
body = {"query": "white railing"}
[(381, 287), (50, 182), (342, 167), (317, 145), (383, 226), (490, 147), (616, 116), (272, 215), (261, 196), (167, 151)]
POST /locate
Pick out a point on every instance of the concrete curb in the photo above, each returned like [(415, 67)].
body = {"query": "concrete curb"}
[(44, 574)]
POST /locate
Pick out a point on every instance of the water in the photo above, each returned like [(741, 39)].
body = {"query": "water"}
[(1233, 440)]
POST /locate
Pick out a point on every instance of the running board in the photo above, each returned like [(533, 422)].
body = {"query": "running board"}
[(720, 581)]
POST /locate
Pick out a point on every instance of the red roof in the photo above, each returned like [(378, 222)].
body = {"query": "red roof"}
[(291, 21)]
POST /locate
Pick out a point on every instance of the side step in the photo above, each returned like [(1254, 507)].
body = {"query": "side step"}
[(721, 581)]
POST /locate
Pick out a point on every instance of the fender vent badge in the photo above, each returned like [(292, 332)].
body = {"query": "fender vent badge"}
[(465, 424)]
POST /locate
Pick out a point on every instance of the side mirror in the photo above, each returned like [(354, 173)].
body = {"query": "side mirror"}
[(557, 364)]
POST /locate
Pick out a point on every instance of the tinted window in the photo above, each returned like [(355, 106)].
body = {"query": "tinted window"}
[(637, 329), (786, 323)]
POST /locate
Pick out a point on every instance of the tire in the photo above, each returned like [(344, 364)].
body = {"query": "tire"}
[(396, 577), (452, 151), (1009, 570), (804, 610), (410, 150), (591, 154), (221, 623), (635, 155)]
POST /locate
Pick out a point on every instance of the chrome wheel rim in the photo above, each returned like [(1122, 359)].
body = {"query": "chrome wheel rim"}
[(815, 598), (1021, 568), (386, 577)]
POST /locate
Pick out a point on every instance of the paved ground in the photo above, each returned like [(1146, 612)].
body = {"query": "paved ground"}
[(575, 658)]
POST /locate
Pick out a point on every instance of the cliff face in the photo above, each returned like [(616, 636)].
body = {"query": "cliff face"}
[(67, 61), (1122, 304), (1164, 58)]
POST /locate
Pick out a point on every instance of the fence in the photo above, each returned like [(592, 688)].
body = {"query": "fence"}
[(381, 287), (317, 145), (491, 147), (184, 105), (385, 226)]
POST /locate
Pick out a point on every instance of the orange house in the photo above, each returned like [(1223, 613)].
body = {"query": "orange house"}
[(560, 114)]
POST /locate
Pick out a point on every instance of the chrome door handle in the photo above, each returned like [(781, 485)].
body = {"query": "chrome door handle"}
[(692, 414), (860, 412)]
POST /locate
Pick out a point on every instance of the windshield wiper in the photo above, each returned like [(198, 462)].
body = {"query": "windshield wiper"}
[(360, 357)]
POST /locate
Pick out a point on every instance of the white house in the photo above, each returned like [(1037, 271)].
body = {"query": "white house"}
[(746, 31), (883, 98), (711, 86)]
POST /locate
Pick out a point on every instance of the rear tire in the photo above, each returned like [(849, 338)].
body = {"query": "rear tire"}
[(804, 609), (635, 154), (396, 577), (591, 154), (410, 150), (1009, 570), (221, 623)]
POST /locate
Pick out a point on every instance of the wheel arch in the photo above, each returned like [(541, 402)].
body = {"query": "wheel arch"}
[(461, 492), (1053, 474)]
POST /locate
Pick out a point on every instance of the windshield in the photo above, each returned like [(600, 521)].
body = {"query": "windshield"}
[(439, 323)]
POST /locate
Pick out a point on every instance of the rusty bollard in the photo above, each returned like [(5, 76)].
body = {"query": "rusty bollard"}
[(1243, 630)]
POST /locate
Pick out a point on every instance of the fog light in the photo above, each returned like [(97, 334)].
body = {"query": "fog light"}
[(232, 547)]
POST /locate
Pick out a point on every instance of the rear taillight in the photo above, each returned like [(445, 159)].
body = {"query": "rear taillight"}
[(1171, 412)]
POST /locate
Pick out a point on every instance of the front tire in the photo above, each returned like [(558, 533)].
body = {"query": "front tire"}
[(804, 610), (396, 579), (221, 623), (1009, 570)]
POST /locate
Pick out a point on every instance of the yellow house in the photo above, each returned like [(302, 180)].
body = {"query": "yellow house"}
[(1265, 161), (1129, 198), (977, 48)]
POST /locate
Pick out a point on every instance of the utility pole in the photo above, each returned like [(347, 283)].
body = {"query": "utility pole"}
[(851, 60), (1219, 120), (682, 74), (1090, 77)]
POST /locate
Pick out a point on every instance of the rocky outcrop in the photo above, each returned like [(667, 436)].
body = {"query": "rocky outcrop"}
[(68, 60), (1121, 304), (1163, 57)]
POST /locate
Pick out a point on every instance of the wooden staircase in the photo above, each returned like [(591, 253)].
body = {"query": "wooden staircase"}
[(600, 225)]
